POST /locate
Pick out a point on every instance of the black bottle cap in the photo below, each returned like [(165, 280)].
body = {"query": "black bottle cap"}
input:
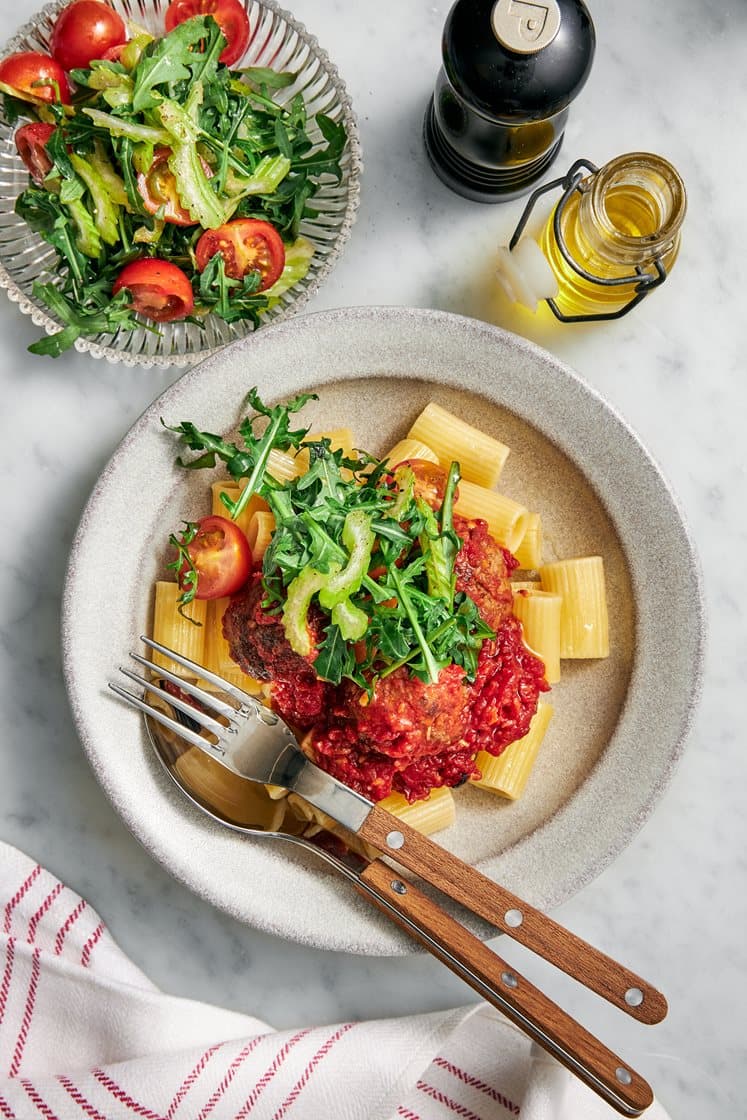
[(511, 68)]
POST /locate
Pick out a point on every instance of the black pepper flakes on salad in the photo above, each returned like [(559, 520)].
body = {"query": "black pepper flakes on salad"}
[(170, 185)]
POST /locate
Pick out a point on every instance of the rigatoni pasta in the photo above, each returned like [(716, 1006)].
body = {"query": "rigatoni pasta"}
[(410, 449), (539, 614), (508, 774), (584, 626), (480, 456), (507, 519), (529, 550), (172, 629)]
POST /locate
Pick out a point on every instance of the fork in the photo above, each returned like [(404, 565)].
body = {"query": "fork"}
[(252, 742)]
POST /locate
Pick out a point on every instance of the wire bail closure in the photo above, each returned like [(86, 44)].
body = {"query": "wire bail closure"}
[(644, 281)]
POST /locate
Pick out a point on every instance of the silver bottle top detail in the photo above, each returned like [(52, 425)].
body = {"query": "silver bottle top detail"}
[(525, 27)]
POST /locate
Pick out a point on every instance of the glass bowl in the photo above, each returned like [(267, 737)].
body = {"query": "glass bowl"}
[(279, 41)]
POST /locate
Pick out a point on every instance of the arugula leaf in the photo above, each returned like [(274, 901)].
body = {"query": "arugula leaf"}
[(174, 59)]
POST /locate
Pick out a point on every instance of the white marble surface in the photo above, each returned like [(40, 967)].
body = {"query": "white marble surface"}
[(668, 78)]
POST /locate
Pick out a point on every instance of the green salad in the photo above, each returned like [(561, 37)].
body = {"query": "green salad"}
[(170, 185)]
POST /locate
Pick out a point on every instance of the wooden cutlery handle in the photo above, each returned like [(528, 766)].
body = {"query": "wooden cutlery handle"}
[(511, 915), (498, 983)]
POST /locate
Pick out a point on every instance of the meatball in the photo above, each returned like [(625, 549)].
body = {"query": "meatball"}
[(258, 645)]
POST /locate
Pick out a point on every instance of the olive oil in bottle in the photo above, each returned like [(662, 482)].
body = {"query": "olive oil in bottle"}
[(613, 236)]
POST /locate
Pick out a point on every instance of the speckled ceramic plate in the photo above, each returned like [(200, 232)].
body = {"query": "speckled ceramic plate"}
[(619, 724)]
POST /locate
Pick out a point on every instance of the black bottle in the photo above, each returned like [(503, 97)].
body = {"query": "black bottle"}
[(511, 69)]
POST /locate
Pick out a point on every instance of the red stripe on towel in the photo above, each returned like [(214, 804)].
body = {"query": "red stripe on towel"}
[(7, 973), (37, 917), (10, 906), (65, 929), (447, 1102), (124, 1097), (230, 1074), (80, 1100), (6, 1111), (476, 1083), (41, 1105), (269, 1073), (190, 1079), (28, 1013), (90, 945), (303, 1079)]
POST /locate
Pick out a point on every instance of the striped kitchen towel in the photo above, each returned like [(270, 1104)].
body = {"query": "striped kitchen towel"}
[(84, 1035)]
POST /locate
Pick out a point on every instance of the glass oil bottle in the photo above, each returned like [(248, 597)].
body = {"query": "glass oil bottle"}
[(613, 236)]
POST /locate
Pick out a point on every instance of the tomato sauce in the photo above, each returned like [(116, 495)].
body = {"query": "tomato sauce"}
[(408, 736)]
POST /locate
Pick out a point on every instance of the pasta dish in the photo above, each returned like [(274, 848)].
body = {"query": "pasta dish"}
[(376, 604)]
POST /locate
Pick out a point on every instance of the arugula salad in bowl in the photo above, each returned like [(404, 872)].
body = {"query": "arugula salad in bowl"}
[(186, 176)]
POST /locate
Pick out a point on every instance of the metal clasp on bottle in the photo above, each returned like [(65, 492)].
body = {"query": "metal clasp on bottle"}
[(644, 281)]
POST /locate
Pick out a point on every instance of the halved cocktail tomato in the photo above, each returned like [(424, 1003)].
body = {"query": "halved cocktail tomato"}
[(159, 289), (35, 77), (157, 188), (31, 141), (246, 245)]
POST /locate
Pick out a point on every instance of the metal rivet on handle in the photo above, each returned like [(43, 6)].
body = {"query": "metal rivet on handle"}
[(513, 918), (623, 1075), (509, 980), (395, 839), (634, 997), (399, 886)]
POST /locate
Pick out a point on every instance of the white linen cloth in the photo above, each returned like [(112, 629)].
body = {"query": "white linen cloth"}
[(84, 1035)]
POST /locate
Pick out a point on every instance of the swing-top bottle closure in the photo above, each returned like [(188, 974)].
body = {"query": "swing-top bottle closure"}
[(613, 237)]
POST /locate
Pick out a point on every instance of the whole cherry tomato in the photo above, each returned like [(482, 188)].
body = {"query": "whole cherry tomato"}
[(85, 30), (221, 555)]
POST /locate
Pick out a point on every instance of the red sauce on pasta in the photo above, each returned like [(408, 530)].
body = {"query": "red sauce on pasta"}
[(409, 736)]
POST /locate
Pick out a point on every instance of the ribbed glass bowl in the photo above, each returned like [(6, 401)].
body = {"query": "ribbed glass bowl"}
[(278, 41)]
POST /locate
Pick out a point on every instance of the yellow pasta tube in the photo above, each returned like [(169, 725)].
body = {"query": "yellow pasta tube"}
[(240, 801), (340, 439), (259, 533), (480, 457), (217, 657), (172, 629), (433, 813), (529, 552), (508, 774), (506, 518), (282, 466), (584, 626), (526, 585), (539, 614), (410, 449), (232, 490)]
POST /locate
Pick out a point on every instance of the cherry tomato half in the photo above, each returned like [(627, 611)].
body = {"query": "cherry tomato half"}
[(157, 188), (85, 30), (220, 552), (160, 290), (230, 15), (24, 70), (31, 141), (247, 245)]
